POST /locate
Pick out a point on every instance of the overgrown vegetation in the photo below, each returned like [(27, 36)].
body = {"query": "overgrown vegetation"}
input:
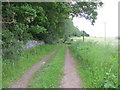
[(97, 64), (50, 74), (45, 21), (12, 71), (0, 72)]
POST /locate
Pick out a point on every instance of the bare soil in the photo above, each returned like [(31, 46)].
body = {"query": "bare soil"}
[(71, 78), (23, 82)]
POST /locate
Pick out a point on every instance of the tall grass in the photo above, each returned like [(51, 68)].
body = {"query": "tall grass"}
[(50, 74), (13, 70), (0, 72), (97, 64)]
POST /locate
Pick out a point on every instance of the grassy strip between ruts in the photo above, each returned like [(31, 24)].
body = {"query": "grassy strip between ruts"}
[(97, 64), (50, 74), (13, 70)]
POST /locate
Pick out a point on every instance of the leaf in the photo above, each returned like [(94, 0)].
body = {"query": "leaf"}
[(114, 59)]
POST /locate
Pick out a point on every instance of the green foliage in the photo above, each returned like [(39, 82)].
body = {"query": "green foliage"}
[(37, 29), (0, 72), (70, 29), (10, 46), (49, 75), (40, 21), (24, 13), (21, 32), (51, 38), (11, 52), (97, 64), (12, 71), (86, 10), (38, 17), (13, 41)]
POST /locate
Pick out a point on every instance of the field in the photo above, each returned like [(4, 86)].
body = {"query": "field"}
[(113, 42), (97, 64), (12, 71)]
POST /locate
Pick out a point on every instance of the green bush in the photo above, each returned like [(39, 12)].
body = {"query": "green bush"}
[(12, 51), (13, 41), (10, 46)]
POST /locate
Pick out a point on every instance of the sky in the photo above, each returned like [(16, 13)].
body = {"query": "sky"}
[(107, 20)]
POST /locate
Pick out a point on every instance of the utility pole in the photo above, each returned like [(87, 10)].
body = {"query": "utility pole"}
[(83, 35), (105, 31)]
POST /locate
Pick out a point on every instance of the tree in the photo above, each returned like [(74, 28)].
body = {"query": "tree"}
[(88, 10), (42, 20)]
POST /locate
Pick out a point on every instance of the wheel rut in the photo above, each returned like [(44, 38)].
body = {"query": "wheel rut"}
[(23, 82), (71, 79)]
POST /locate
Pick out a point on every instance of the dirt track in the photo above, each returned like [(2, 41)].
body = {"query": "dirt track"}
[(71, 78), (23, 82)]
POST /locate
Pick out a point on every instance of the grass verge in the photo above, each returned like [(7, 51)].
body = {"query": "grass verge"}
[(50, 74), (13, 70), (0, 72), (97, 64)]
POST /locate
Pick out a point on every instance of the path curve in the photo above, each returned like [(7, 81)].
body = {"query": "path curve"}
[(23, 82), (71, 78)]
